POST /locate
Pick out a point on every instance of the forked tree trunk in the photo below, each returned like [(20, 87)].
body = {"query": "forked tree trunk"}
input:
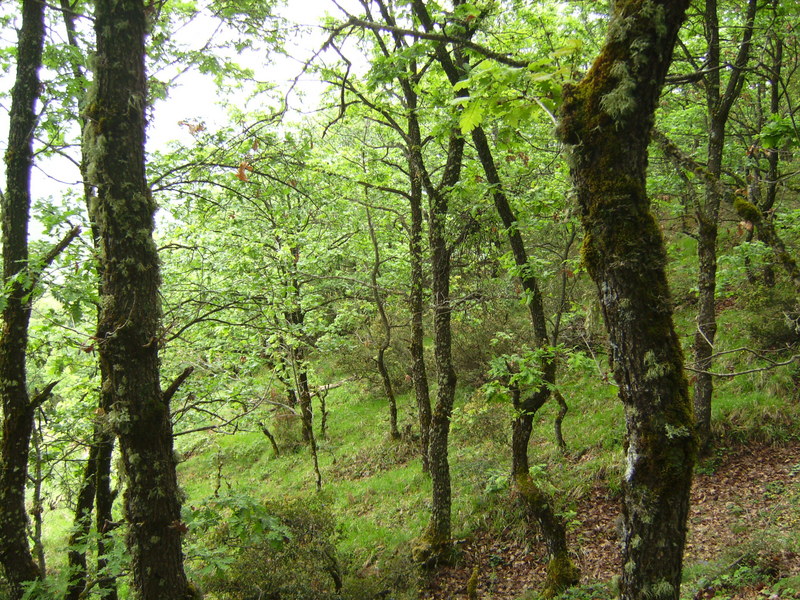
[(386, 339), (128, 327), (606, 121), (719, 105)]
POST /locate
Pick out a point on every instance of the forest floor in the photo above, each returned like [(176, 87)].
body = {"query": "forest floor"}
[(743, 500)]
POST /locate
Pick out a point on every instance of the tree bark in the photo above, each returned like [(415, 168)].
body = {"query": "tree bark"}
[(435, 544), (606, 122), (81, 525), (386, 340), (18, 410), (719, 105), (128, 327), (419, 374)]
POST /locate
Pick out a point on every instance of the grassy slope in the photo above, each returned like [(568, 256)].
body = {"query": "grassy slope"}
[(379, 496)]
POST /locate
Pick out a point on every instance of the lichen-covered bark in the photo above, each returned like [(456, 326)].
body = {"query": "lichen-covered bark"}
[(18, 410), (439, 529), (128, 327), (606, 122)]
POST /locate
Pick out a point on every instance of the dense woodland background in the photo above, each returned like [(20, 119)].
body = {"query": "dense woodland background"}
[(419, 330)]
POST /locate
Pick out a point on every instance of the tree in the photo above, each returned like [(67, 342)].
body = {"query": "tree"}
[(719, 103), (561, 571), (128, 334), (606, 120), (18, 406)]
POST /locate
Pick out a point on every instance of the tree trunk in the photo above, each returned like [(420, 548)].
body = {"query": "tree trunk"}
[(37, 505), (128, 328), (18, 410), (719, 106), (81, 525), (417, 293), (386, 340), (435, 546), (606, 121), (561, 572), (103, 440)]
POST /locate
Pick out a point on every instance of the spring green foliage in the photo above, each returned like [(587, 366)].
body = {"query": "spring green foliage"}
[(266, 258)]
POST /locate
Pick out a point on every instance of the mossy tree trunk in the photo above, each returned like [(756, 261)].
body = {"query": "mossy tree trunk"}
[(606, 122), (719, 104), (561, 571), (18, 408), (438, 533), (95, 489), (128, 327)]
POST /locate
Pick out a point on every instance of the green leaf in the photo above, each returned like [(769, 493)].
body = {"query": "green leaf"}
[(471, 117)]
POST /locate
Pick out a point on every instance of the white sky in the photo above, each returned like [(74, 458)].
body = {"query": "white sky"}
[(194, 96)]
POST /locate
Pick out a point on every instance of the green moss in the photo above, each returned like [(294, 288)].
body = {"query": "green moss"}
[(660, 589), (621, 100), (746, 210), (472, 585), (561, 574), (429, 551)]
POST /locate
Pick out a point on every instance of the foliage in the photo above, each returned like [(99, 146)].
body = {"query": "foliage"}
[(266, 260), (276, 549)]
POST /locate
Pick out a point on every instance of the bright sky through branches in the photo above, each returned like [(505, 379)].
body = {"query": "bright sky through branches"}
[(193, 96)]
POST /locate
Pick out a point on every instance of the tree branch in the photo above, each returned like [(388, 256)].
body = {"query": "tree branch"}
[(48, 258), (439, 37), (167, 394), (40, 397)]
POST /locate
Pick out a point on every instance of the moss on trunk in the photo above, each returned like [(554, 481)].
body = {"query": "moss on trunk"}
[(606, 121), (130, 315)]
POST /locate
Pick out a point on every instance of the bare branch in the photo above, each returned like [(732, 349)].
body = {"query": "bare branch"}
[(444, 38)]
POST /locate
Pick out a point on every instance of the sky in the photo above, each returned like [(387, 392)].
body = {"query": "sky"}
[(193, 96)]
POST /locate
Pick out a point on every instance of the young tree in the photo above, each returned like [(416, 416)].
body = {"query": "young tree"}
[(128, 333), (561, 571), (606, 120), (719, 102)]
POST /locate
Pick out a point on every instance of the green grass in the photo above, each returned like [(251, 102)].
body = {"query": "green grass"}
[(380, 499)]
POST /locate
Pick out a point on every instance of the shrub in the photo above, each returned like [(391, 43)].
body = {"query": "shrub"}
[(272, 551)]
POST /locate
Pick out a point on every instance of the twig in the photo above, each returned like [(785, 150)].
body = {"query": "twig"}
[(772, 365)]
